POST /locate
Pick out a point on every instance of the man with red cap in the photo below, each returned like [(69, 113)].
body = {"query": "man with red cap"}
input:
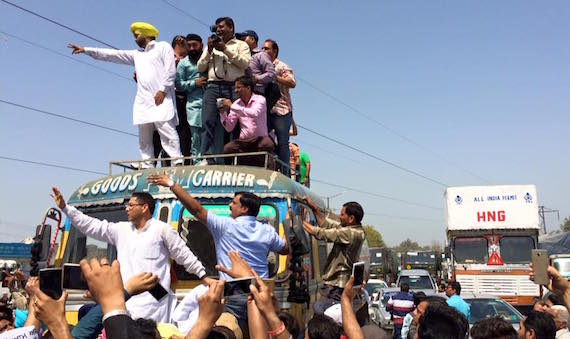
[(155, 70)]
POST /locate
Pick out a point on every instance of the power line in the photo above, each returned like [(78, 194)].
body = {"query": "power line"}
[(373, 156), (57, 23), (61, 116), (65, 56), (186, 13), (50, 165), (375, 194)]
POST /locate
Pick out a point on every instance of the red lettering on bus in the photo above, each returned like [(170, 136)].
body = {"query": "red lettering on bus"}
[(491, 216)]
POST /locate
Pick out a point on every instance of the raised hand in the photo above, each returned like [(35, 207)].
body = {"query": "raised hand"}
[(76, 48), (58, 198)]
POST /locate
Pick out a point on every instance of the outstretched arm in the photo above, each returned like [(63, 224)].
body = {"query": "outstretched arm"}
[(105, 54), (318, 215), (185, 199)]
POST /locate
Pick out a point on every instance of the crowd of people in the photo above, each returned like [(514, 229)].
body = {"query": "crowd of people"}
[(191, 101)]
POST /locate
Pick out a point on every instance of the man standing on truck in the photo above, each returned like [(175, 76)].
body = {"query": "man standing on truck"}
[(143, 244), (347, 238)]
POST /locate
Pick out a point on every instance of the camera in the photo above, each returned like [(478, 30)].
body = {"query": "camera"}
[(215, 37)]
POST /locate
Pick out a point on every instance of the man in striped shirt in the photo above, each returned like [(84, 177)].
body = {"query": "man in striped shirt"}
[(399, 305)]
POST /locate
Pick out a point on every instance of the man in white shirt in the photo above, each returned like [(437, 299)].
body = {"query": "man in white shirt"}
[(143, 244), (155, 71), (561, 318)]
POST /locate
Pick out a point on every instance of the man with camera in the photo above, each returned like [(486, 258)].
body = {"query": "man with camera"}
[(225, 59)]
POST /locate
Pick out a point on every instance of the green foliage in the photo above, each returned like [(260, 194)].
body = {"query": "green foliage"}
[(565, 225), (373, 236)]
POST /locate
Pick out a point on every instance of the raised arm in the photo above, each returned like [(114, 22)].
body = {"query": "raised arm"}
[(126, 57), (349, 322), (321, 220), (191, 204), (98, 229)]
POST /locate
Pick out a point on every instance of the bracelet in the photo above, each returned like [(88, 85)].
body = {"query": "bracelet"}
[(115, 313), (277, 331)]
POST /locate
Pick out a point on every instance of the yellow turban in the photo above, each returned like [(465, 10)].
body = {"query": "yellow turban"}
[(145, 29)]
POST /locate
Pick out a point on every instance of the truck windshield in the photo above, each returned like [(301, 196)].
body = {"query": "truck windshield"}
[(420, 258), (417, 282), (516, 250), (471, 250)]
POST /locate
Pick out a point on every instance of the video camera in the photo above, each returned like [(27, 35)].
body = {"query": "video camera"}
[(215, 37)]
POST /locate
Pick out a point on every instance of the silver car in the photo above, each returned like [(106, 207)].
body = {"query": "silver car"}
[(487, 306)]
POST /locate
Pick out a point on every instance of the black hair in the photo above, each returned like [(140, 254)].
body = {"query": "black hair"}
[(251, 201), (246, 81), (6, 313), (542, 324), (404, 287), (418, 297), (147, 328), (456, 286), (291, 324), (554, 299), (442, 322), (177, 40), (194, 37), (145, 198), (228, 21), (323, 327), (493, 328), (221, 332), (354, 209), (274, 45)]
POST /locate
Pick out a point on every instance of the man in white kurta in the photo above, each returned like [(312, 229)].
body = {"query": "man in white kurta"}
[(154, 106), (143, 245)]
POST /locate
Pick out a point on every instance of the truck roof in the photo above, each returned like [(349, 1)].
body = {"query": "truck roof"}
[(491, 207)]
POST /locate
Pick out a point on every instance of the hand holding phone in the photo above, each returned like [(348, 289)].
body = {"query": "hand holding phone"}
[(73, 278), (539, 265), (238, 286), (158, 292), (50, 282), (358, 273)]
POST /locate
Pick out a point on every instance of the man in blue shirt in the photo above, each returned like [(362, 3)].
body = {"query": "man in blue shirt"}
[(452, 291)]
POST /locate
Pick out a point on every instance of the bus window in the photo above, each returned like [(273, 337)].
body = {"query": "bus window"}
[(79, 246), (516, 250), (312, 261), (471, 250), (201, 243)]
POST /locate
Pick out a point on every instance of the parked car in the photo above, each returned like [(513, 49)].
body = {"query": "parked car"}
[(374, 286), (486, 306)]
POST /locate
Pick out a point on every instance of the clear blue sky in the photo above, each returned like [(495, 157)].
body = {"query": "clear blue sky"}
[(481, 86)]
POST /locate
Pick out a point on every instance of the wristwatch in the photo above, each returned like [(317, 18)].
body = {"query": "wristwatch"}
[(170, 183)]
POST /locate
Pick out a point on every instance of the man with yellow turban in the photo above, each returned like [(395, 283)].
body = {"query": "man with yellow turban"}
[(154, 106)]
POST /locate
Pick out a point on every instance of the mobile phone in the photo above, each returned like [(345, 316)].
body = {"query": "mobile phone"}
[(50, 282), (358, 273), (73, 278), (562, 264), (238, 286), (158, 292), (540, 264)]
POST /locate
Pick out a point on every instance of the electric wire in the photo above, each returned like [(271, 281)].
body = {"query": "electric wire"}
[(61, 116), (50, 165), (64, 55), (57, 23), (307, 129)]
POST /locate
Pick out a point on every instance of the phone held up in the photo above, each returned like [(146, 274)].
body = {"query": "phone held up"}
[(238, 287), (540, 264), (358, 273), (50, 282)]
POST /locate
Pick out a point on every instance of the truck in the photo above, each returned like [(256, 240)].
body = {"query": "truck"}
[(422, 260), (383, 264), (491, 231)]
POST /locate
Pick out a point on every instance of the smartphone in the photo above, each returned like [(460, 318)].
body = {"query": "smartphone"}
[(73, 278), (158, 292), (238, 286), (358, 273), (50, 282), (562, 264), (540, 264)]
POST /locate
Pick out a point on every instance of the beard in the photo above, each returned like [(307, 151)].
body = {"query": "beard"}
[(194, 55)]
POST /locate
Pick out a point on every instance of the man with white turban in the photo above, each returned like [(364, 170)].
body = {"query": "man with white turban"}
[(154, 106)]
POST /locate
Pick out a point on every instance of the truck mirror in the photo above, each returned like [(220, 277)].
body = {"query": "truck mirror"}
[(42, 241)]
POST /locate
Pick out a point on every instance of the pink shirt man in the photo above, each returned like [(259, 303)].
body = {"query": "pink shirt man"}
[(252, 117)]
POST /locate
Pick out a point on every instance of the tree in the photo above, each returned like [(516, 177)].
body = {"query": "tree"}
[(565, 225), (374, 237), (407, 245)]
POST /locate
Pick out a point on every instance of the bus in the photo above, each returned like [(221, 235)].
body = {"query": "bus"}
[(294, 277)]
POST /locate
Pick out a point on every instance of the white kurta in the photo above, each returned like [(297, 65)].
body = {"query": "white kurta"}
[(145, 251), (156, 71)]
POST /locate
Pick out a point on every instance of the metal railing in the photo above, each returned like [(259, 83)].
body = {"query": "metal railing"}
[(213, 159)]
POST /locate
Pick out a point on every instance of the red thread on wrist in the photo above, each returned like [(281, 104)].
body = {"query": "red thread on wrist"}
[(277, 331)]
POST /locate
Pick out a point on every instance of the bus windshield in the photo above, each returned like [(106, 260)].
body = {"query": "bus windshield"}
[(516, 250), (471, 250)]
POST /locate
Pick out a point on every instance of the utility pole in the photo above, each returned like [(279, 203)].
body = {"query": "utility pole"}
[(333, 196), (541, 211)]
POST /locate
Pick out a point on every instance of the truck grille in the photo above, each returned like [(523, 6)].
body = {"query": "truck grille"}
[(499, 285)]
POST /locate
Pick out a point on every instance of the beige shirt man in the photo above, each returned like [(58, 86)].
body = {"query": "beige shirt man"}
[(226, 65)]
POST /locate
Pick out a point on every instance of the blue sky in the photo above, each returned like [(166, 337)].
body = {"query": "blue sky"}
[(472, 93)]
